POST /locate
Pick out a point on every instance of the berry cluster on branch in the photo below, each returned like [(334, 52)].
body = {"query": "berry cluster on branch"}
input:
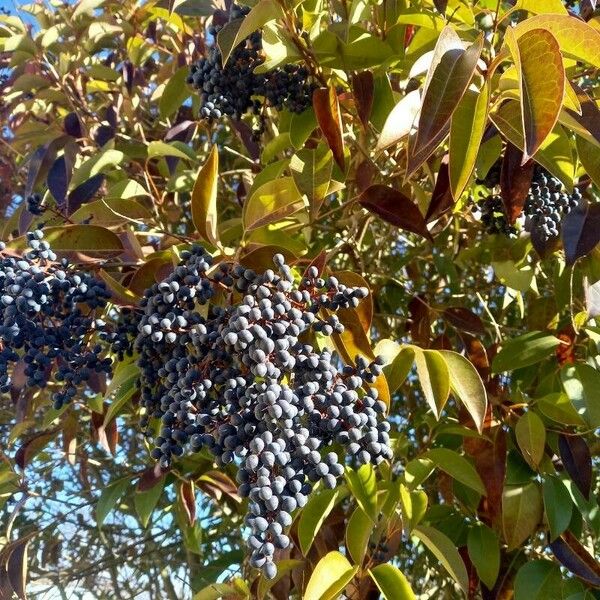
[(244, 379), (234, 89)]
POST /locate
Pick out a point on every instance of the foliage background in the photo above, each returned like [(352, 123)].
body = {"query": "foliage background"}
[(493, 490)]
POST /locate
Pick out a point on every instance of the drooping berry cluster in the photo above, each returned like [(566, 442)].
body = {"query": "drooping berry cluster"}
[(244, 380), (47, 319), (547, 203), (234, 88), (493, 216)]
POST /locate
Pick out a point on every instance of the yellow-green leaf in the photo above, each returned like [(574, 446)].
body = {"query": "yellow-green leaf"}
[(358, 532), (466, 131), (444, 549), (457, 466), (363, 485), (175, 92), (331, 575), (391, 582), (434, 378), (467, 386), (541, 74), (204, 199), (314, 514)]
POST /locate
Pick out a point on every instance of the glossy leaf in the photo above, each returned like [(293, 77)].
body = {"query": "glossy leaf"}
[(531, 437), (314, 514), (466, 132), (524, 350), (204, 199), (400, 121), (145, 501), (467, 386), (363, 90), (581, 231), (521, 513), (434, 378), (394, 208), (573, 555), (448, 82), (331, 575), (358, 532), (391, 582), (175, 92), (327, 110), (445, 551), (362, 483), (558, 505), (515, 181)]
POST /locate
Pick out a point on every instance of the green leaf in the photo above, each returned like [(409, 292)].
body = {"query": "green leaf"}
[(311, 170), (434, 378), (301, 126), (521, 512), (541, 75), (98, 163), (457, 466), (391, 582), (145, 502), (236, 31), (466, 132), (581, 383), (314, 514), (538, 580), (110, 212), (175, 92), (484, 551), (272, 202), (218, 591), (467, 386), (284, 567), (527, 349), (331, 575), (157, 149), (557, 504), (444, 549), (358, 532), (204, 199), (363, 485), (121, 388), (559, 408), (447, 81), (531, 437), (109, 497)]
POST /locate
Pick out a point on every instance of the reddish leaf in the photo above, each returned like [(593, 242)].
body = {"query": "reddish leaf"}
[(515, 181), (441, 5), (327, 110), (362, 88), (395, 208), (571, 553), (318, 261), (365, 172), (245, 134), (16, 567), (187, 499), (419, 323), (150, 477), (565, 353), (58, 179), (464, 319), (112, 436), (34, 444), (441, 199), (449, 81), (417, 158), (581, 231), (577, 460), (489, 456)]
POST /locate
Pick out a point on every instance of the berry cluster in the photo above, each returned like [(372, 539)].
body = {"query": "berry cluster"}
[(243, 380), (47, 319), (232, 89), (547, 202)]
